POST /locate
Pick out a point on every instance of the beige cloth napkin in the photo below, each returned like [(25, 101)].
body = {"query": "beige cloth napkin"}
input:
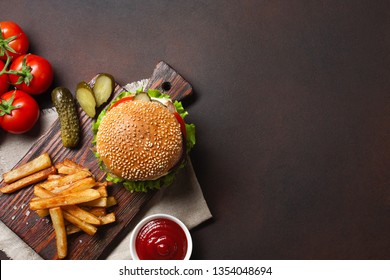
[(183, 199)]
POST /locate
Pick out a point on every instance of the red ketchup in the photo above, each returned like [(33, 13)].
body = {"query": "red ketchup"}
[(161, 239)]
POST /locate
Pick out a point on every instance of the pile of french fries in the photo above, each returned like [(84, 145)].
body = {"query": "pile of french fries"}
[(29, 173), (67, 192)]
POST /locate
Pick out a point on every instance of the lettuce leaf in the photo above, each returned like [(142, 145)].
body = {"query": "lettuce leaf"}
[(144, 186)]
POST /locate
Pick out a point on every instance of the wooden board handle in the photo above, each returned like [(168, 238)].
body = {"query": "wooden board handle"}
[(168, 81)]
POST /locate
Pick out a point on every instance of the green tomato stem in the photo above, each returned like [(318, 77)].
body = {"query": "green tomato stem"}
[(24, 74), (6, 106), (4, 44)]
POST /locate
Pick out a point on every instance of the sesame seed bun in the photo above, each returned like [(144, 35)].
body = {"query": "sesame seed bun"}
[(139, 140)]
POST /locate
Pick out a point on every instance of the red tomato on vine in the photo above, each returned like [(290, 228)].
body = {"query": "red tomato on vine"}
[(19, 112), (13, 40), (4, 81), (31, 73)]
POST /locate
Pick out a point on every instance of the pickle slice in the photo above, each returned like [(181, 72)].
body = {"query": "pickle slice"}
[(86, 99), (103, 88), (142, 96)]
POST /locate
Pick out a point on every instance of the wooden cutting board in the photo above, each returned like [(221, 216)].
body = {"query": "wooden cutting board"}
[(38, 232)]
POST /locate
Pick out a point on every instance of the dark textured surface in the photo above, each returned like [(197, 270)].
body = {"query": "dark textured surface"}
[(291, 105)]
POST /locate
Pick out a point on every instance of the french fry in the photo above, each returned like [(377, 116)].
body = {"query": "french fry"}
[(31, 167), (99, 202), (83, 184), (40, 192), (59, 228), (63, 169), (97, 211), (102, 184), (65, 180), (102, 190), (71, 229), (111, 201), (73, 164), (64, 200), (86, 227), (42, 212), (107, 219), (61, 188), (83, 215), (68, 166), (70, 194), (53, 177), (72, 209), (29, 180)]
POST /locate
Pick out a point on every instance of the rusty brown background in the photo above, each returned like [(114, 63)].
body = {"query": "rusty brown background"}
[(291, 106)]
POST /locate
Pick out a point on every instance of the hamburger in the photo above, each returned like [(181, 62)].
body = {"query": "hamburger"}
[(141, 140)]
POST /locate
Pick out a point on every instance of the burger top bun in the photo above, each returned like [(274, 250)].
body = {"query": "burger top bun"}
[(139, 140)]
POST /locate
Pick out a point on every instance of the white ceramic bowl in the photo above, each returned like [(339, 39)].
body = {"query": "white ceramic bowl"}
[(133, 237)]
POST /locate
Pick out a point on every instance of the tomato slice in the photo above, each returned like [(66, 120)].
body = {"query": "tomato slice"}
[(124, 99), (182, 124)]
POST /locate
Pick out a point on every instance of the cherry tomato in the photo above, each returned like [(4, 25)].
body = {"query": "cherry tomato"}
[(4, 81), (18, 111), (124, 99), (13, 40), (35, 74)]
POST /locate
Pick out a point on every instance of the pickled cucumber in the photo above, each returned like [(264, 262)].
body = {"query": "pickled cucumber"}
[(103, 88), (85, 98), (65, 105)]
